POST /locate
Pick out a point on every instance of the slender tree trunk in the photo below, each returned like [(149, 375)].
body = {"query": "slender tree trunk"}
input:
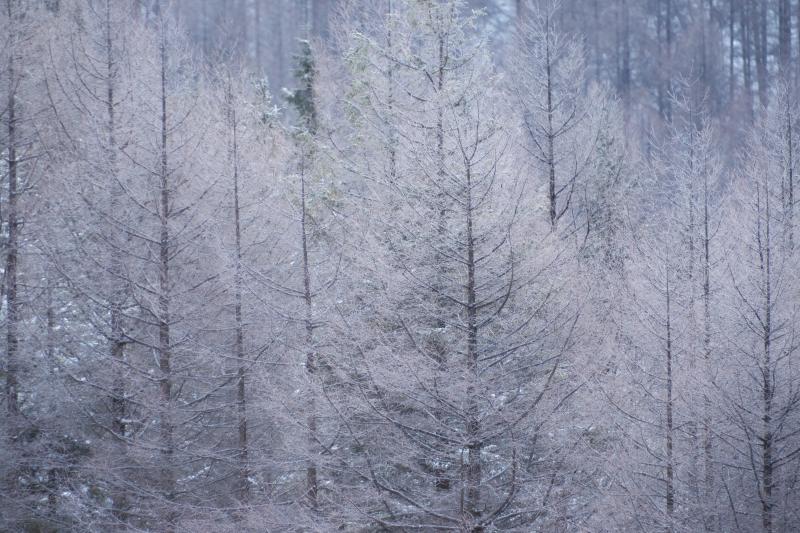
[(440, 323), (626, 51), (797, 25), (118, 404), (670, 486), (661, 93), (710, 515), (669, 32), (164, 297), (390, 98), (204, 31), (691, 425), (766, 376), (311, 363), (50, 352), (703, 51), (12, 244), (277, 20), (731, 41), (242, 23), (744, 19), (785, 37), (790, 149), (257, 37), (474, 442), (758, 23), (551, 159), (241, 372)]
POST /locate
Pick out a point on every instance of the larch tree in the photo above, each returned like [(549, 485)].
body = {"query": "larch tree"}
[(460, 340), (548, 80), (760, 386)]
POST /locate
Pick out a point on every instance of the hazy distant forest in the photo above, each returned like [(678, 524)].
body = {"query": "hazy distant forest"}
[(399, 266)]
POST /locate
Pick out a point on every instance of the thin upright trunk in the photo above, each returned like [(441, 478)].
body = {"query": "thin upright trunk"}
[(440, 174), (204, 31), (311, 363), (797, 25), (474, 442), (12, 244), (164, 296), (668, 31), (766, 376), (50, 351), (118, 403), (744, 19), (758, 23), (790, 149), (243, 20), (241, 371), (277, 17), (709, 515), (551, 159), (691, 426), (626, 51), (660, 92), (390, 98), (731, 41), (704, 52), (784, 37), (598, 68), (257, 37), (670, 487)]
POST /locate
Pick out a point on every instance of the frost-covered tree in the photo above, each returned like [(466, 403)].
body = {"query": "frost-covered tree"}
[(548, 82), (459, 340), (760, 385)]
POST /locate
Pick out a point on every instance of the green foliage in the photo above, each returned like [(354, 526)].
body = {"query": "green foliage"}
[(302, 98)]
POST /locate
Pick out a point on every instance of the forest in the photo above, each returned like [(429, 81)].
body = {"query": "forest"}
[(399, 266)]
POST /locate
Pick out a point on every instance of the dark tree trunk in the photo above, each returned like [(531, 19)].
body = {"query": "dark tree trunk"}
[(767, 438), (758, 20), (747, 53), (164, 297), (257, 37), (709, 515), (784, 36), (474, 442), (12, 244), (312, 484), (118, 404), (731, 41), (670, 474), (241, 371), (551, 159)]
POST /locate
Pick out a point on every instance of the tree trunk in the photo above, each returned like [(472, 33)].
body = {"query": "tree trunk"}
[(790, 149), (164, 298), (731, 40), (241, 372), (784, 37), (766, 376), (12, 245), (257, 38), (312, 485), (744, 20), (474, 442), (118, 407), (709, 516), (758, 23), (551, 160), (670, 487)]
